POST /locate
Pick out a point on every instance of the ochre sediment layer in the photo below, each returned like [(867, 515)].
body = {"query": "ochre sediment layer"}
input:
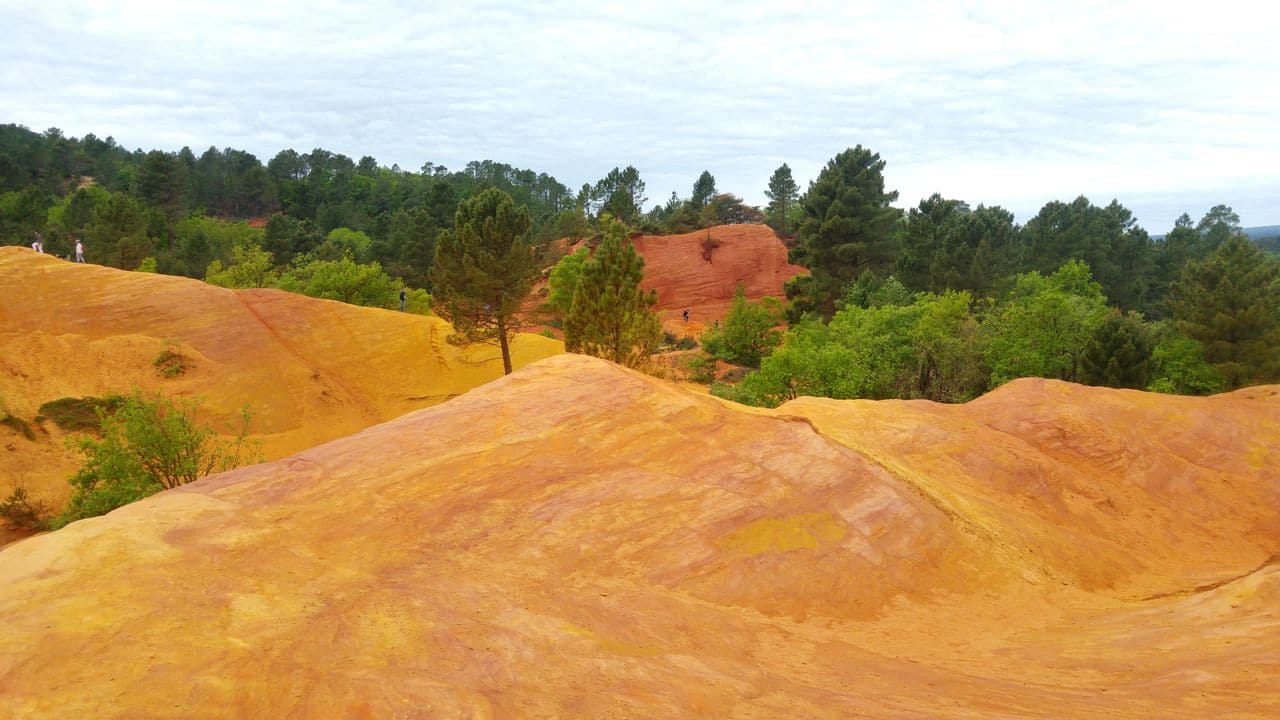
[(579, 540)]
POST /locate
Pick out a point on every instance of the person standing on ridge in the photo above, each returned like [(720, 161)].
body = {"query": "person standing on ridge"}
[(402, 299), (38, 245), (79, 251), (686, 314)]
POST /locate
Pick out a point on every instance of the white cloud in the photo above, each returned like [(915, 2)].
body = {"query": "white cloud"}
[(1167, 108)]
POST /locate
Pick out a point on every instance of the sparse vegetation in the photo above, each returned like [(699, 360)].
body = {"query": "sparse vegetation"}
[(20, 426), (79, 414), (149, 444), (170, 363), (23, 512)]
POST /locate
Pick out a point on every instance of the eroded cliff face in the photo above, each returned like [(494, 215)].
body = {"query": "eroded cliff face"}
[(579, 540), (311, 370), (701, 270)]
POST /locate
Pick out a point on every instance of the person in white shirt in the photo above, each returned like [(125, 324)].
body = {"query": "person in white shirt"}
[(79, 251), (38, 245)]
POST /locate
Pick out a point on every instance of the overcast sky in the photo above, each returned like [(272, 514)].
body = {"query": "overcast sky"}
[(1168, 109)]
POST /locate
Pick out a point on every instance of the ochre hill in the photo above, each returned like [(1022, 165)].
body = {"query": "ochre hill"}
[(579, 540), (311, 370), (700, 270)]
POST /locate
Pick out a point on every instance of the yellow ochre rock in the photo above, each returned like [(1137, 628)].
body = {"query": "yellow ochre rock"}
[(580, 540), (311, 370)]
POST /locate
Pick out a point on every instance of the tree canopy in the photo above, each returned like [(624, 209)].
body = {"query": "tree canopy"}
[(483, 271)]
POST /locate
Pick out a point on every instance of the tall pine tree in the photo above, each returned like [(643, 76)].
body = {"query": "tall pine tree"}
[(782, 193), (483, 271), (846, 227), (1230, 302), (611, 317), (1119, 353)]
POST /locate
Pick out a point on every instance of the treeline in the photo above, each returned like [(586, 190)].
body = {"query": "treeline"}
[(130, 205), (353, 230), (947, 301)]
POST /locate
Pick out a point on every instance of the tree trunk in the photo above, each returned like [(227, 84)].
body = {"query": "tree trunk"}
[(506, 349)]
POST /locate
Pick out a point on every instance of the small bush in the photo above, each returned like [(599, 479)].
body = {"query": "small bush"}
[(709, 244), (150, 444), (547, 334), (19, 425), (701, 368), (79, 414), (21, 511), (686, 342), (171, 363)]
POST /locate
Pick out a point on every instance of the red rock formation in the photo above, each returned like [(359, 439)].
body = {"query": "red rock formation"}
[(701, 270)]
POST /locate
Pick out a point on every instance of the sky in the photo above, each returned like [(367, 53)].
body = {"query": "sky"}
[(1169, 108)]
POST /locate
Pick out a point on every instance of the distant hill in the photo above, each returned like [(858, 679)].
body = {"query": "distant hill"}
[(1262, 232)]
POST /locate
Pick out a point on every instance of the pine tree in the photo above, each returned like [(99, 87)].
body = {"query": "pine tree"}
[(782, 193), (1230, 302), (1118, 354), (483, 271), (703, 189), (611, 316), (846, 227)]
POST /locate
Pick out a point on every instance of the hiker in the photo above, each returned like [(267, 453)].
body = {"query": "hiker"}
[(38, 245), (79, 251), (401, 299), (686, 314)]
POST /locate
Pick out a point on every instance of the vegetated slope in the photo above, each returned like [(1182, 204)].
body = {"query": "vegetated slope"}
[(688, 272), (311, 370), (579, 540)]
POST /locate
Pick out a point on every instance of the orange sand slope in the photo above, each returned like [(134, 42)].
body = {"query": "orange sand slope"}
[(312, 370), (578, 540), (749, 254)]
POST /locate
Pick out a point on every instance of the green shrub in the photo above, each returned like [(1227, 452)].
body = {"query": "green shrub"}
[(748, 333), (19, 425), (150, 443), (701, 368), (171, 363), (79, 414), (21, 511)]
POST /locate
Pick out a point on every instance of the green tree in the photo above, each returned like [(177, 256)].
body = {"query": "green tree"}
[(1119, 354), (611, 317), (250, 267), (727, 209), (1119, 253), (748, 333), (1180, 367), (620, 193), (343, 280), (483, 271), (162, 184), (948, 246), (782, 193), (1041, 329), (148, 444), (926, 348), (1230, 303), (563, 280), (1217, 226), (703, 189), (846, 226)]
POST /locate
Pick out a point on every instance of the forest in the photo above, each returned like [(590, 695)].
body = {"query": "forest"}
[(943, 301)]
